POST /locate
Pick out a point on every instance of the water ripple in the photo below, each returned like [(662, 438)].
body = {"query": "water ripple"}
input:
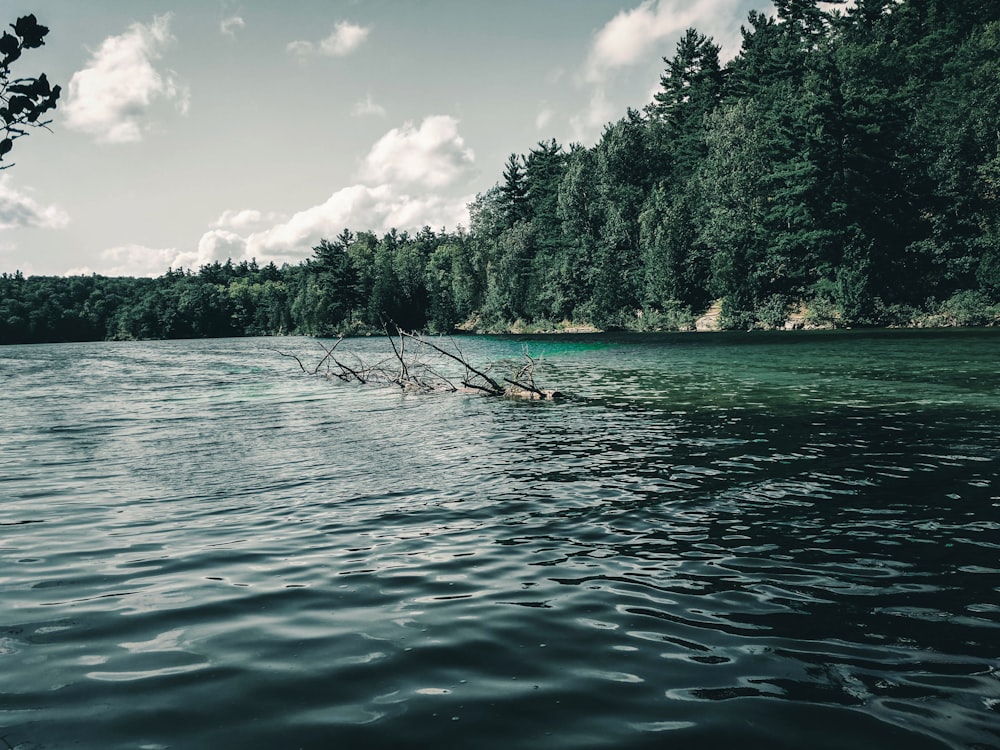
[(713, 542)]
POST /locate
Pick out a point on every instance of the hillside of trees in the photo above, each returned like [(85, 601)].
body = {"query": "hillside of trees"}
[(846, 162), (354, 284)]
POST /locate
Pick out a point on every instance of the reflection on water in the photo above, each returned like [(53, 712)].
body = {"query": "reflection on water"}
[(759, 541)]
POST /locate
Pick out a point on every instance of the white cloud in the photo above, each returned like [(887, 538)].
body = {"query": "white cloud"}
[(17, 209), (345, 39), (230, 25), (630, 36), (404, 176), (379, 208), (367, 106), (245, 219), (643, 36), (130, 260), (637, 35), (590, 123), (219, 244), (111, 98), (403, 164), (300, 49), (544, 118), (431, 156), (139, 260)]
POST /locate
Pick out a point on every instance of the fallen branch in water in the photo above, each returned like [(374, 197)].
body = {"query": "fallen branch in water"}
[(411, 372)]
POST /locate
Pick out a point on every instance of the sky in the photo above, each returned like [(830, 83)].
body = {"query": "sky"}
[(194, 131)]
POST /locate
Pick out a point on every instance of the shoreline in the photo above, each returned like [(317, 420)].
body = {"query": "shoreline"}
[(572, 331)]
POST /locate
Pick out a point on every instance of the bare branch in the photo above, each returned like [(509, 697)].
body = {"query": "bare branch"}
[(494, 384), (286, 354), (329, 353), (356, 375), (408, 372)]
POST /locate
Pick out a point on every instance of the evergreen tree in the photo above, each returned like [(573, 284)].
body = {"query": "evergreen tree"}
[(690, 88), (544, 169), (514, 190)]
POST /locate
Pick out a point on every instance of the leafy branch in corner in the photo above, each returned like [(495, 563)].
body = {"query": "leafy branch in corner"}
[(23, 101)]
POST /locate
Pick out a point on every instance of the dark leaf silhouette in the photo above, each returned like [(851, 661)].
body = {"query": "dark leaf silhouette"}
[(23, 101), (31, 32)]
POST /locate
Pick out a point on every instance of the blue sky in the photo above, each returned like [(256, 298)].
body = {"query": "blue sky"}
[(197, 131)]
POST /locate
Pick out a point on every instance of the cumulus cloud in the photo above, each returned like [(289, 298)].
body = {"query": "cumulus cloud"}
[(643, 35), (300, 49), (636, 35), (431, 156), (18, 209), (345, 39), (111, 98), (230, 25), (245, 234), (220, 244), (404, 176), (130, 260), (367, 106), (245, 219), (379, 208), (140, 260)]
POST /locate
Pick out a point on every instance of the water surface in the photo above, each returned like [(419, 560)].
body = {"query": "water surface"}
[(773, 541)]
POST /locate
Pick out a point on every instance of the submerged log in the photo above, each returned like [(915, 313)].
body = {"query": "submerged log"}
[(410, 371)]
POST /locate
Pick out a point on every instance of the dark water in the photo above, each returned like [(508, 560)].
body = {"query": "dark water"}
[(720, 541)]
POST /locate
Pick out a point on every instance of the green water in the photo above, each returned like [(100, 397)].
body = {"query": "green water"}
[(757, 541)]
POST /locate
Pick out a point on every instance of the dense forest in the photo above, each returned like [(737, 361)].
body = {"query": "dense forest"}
[(845, 165)]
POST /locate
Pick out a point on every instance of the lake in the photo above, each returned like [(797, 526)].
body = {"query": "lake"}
[(718, 540)]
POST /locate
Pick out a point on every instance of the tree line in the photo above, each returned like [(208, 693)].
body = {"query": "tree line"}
[(846, 162), (355, 284), (847, 159)]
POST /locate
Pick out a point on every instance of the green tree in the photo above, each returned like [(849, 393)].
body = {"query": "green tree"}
[(544, 169), (514, 190), (733, 182), (509, 276), (626, 168), (336, 279), (582, 215), (450, 287), (690, 88), (955, 130)]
